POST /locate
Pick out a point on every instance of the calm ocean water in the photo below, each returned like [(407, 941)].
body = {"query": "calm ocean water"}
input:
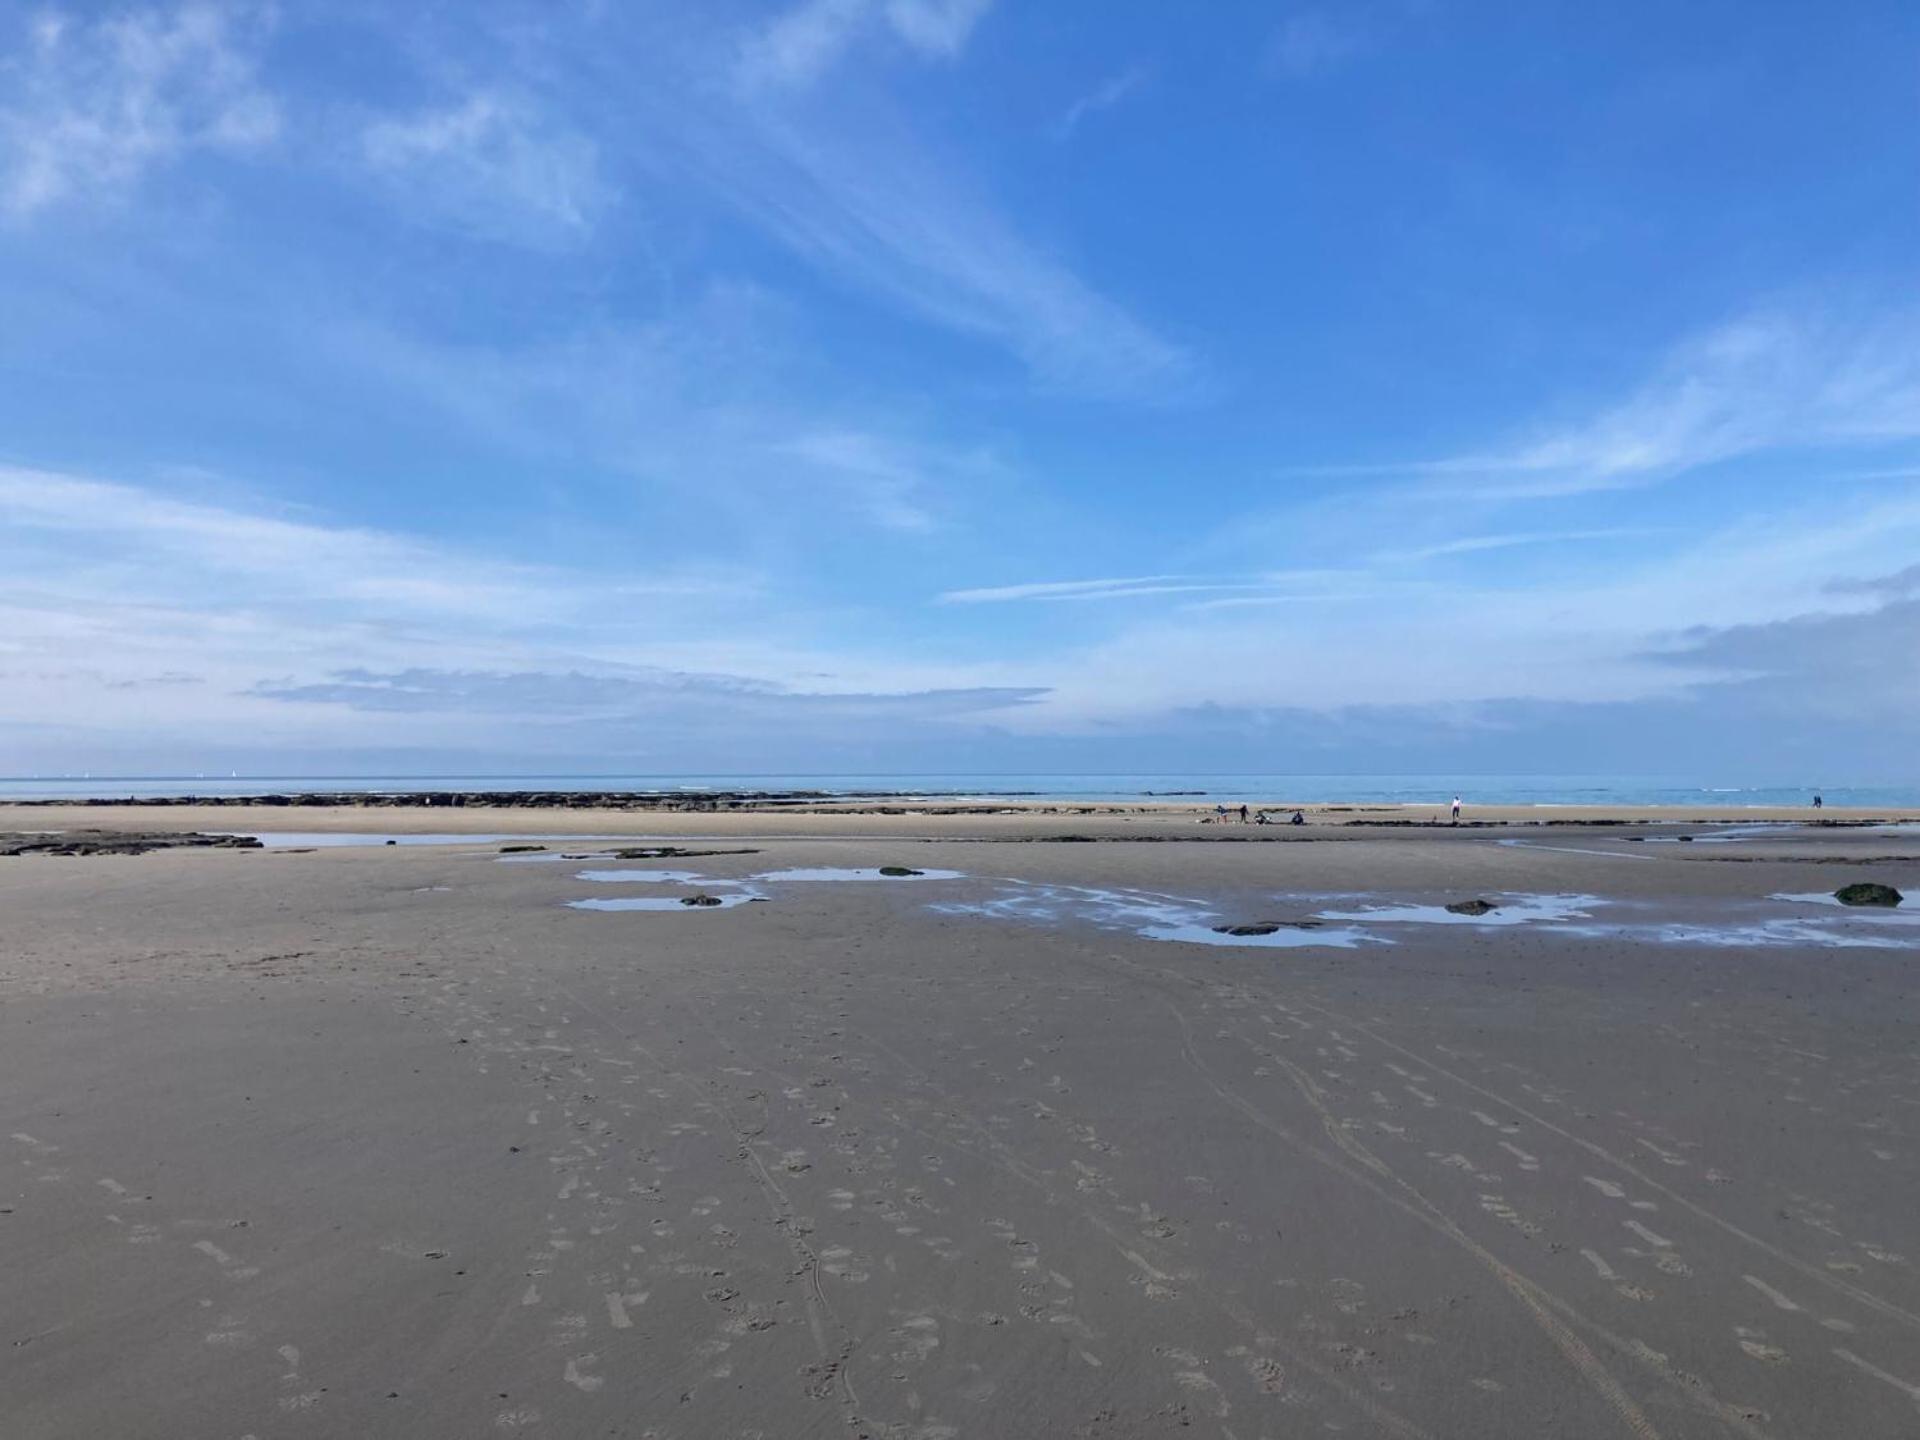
[(1224, 789)]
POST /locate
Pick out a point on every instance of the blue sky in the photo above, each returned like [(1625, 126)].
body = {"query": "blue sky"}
[(960, 384)]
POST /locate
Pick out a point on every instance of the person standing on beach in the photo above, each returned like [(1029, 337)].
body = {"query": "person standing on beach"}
[(1456, 809), (1243, 814)]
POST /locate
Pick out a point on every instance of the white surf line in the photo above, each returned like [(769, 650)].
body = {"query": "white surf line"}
[(114, 1185), (1647, 1235), (1527, 1162), (1879, 1374), (1780, 1302)]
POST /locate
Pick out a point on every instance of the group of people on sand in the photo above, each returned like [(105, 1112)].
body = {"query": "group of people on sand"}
[(1223, 813)]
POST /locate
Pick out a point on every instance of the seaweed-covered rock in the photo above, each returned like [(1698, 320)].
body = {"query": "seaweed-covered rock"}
[(899, 872), (700, 900), (1266, 927), (118, 842), (520, 849), (1472, 907), (1868, 892)]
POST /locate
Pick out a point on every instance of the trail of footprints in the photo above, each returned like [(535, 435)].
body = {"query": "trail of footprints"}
[(1634, 1265), (623, 1228), (145, 1222)]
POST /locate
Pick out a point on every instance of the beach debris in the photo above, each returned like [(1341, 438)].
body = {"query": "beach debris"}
[(702, 899), (1473, 907), (899, 872), (1868, 892), (520, 849)]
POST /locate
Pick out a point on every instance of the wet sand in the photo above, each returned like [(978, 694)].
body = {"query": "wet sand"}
[(390, 1141)]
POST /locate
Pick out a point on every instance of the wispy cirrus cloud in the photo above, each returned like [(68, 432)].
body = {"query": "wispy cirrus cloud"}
[(1122, 588), (1369, 574), (1104, 96), (712, 409), (802, 44), (874, 210), (89, 104), (149, 548), (1314, 41), (282, 628), (1519, 540), (1774, 380), (884, 480), (491, 164), (628, 693)]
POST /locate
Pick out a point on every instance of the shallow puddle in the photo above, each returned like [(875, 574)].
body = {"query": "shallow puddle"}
[(1153, 916), (1727, 834), (1193, 922), (1884, 914), (1753, 935), (1509, 910)]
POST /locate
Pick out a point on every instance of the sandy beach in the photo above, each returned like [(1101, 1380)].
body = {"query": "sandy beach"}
[(330, 1139)]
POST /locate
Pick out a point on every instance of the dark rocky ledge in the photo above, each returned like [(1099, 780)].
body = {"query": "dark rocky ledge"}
[(117, 842)]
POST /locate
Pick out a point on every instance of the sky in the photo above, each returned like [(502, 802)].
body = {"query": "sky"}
[(960, 385)]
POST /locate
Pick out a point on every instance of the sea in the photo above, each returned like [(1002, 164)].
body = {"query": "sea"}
[(1224, 789)]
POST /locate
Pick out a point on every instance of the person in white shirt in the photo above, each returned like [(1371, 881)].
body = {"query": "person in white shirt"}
[(1456, 809)]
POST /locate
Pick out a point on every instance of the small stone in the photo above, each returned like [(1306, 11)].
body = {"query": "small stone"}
[(701, 900), (899, 872), (1472, 907)]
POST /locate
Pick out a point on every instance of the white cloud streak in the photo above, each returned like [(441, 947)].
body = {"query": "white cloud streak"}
[(1103, 97), (491, 164), (885, 217), (1315, 41), (89, 106), (1771, 381), (1112, 589), (802, 44), (292, 629)]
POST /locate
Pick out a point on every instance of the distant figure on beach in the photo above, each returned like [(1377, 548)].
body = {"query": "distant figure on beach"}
[(1243, 814), (1261, 818), (1298, 819), (1817, 802), (1456, 809)]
